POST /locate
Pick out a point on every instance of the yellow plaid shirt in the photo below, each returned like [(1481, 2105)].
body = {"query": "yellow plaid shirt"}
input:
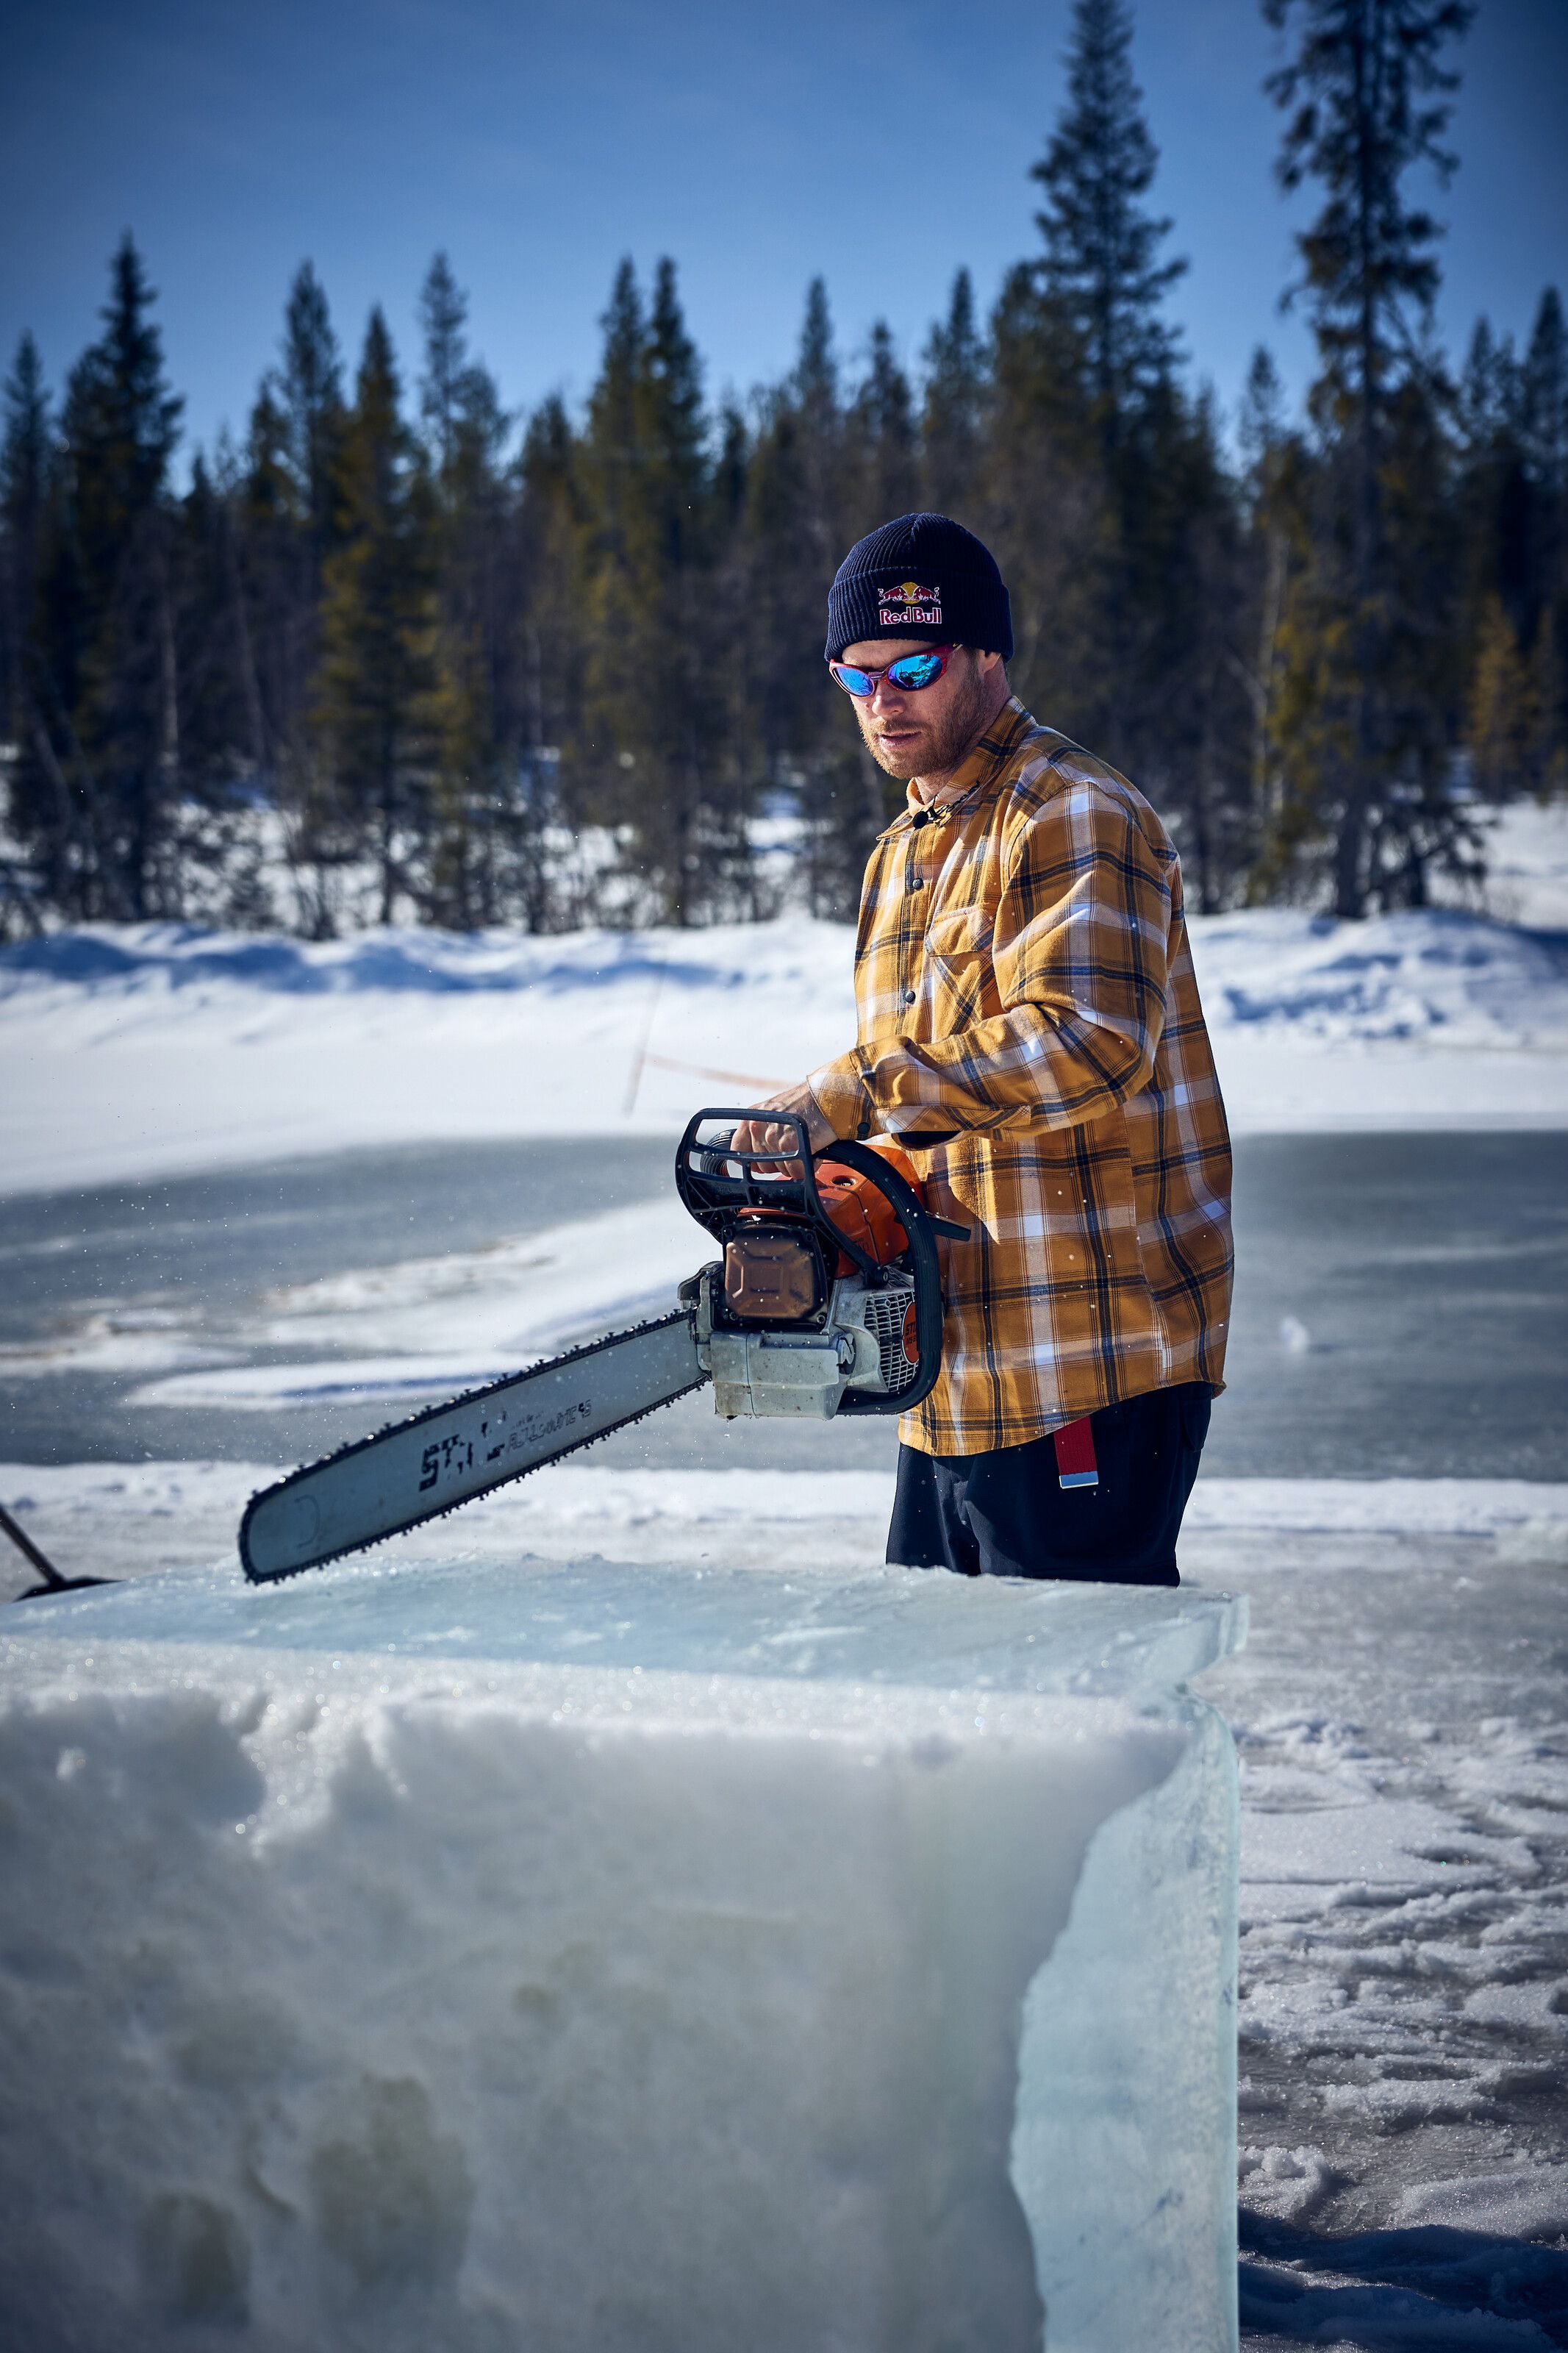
[(1025, 987)]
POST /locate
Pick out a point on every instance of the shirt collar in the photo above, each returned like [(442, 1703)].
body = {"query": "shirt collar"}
[(980, 769)]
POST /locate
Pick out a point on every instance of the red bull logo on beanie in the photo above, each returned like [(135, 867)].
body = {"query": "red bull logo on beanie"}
[(908, 605)]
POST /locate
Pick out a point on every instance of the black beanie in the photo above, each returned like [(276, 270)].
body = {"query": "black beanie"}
[(921, 576)]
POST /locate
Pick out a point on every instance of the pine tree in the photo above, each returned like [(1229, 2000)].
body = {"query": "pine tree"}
[(1545, 403), (1120, 522), (1545, 393), (1264, 454), (216, 851), (953, 419), (1046, 509), (99, 777), (1511, 500), (1500, 734), (653, 711), (1100, 271), (287, 525), (1367, 98), (1086, 345), (706, 824), (122, 424), (549, 648), (814, 384), (813, 411), (610, 441), (1494, 503), (374, 715), (479, 819), (280, 616), (26, 449), (443, 313), (309, 390), (882, 427), (26, 456), (804, 510)]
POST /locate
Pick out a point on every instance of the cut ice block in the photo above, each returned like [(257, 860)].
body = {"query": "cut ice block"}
[(466, 1957)]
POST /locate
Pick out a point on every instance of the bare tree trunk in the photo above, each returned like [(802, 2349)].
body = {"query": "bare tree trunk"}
[(249, 686), (1350, 879), (1265, 796)]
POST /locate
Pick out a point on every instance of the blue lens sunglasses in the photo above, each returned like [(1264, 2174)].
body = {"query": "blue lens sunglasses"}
[(909, 673)]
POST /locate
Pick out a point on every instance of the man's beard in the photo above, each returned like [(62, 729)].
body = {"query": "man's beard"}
[(943, 744)]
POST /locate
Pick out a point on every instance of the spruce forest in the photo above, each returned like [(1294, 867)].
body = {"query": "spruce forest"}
[(404, 656)]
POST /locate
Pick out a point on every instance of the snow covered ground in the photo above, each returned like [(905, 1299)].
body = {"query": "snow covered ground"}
[(137, 1051), (1527, 865)]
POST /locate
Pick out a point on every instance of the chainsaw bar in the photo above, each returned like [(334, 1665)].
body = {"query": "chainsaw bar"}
[(417, 1470)]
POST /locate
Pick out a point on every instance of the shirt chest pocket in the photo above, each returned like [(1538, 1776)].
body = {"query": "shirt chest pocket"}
[(959, 975)]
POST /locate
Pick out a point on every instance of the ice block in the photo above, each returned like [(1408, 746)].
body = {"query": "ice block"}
[(576, 1956)]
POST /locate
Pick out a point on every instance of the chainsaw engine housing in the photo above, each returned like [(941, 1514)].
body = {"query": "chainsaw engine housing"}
[(829, 1297)]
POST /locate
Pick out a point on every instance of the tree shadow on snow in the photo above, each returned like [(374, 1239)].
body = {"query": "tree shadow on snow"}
[(1429, 2288)]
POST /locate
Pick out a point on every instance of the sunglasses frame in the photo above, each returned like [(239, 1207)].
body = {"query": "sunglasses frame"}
[(885, 675)]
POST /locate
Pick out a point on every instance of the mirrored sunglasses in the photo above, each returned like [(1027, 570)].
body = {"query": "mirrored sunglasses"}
[(909, 673)]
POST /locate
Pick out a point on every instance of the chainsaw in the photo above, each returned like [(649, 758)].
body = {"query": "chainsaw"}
[(826, 1301)]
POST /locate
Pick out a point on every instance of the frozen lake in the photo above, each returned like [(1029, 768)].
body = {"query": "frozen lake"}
[(1400, 1302)]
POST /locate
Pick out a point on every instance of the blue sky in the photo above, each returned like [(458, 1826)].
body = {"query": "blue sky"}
[(537, 146)]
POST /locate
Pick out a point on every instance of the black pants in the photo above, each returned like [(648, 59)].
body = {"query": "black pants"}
[(1005, 1513)]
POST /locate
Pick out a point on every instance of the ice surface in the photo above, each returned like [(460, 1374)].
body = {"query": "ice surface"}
[(878, 1626), (570, 1954)]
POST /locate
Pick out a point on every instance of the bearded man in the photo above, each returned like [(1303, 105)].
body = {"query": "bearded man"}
[(1029, 1025)]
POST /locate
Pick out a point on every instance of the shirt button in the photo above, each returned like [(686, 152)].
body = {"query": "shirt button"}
[(909, 996)]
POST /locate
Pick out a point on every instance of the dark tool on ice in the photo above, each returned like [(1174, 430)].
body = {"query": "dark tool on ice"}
[(52, 1581), (827, 1300)]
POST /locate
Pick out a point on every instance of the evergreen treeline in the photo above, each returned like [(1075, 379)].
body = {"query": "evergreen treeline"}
[(395, 658)]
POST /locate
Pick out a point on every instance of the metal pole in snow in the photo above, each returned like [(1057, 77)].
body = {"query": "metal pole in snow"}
[(634, 1084), (53, 1581), (29, 1550)]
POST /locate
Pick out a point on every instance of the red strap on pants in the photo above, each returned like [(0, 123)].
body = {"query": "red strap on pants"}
[(1076, 1466)]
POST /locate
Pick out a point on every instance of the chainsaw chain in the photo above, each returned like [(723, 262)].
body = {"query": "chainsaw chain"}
[(447, 1405)]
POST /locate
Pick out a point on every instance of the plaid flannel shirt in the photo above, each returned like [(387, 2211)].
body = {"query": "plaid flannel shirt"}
[(1025, 988)]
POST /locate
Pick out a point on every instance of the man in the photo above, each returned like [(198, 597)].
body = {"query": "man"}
[(1029, 1025)]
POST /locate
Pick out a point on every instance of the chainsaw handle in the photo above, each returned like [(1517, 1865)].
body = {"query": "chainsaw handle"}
[(755, 1198), (918, 1224)]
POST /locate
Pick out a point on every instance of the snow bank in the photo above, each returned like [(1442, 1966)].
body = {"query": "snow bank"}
[(148, 1049), (1436, 976), (442, 1954), (1527, 864)]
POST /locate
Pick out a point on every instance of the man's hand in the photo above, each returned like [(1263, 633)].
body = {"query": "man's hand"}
[(762, 1135)]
